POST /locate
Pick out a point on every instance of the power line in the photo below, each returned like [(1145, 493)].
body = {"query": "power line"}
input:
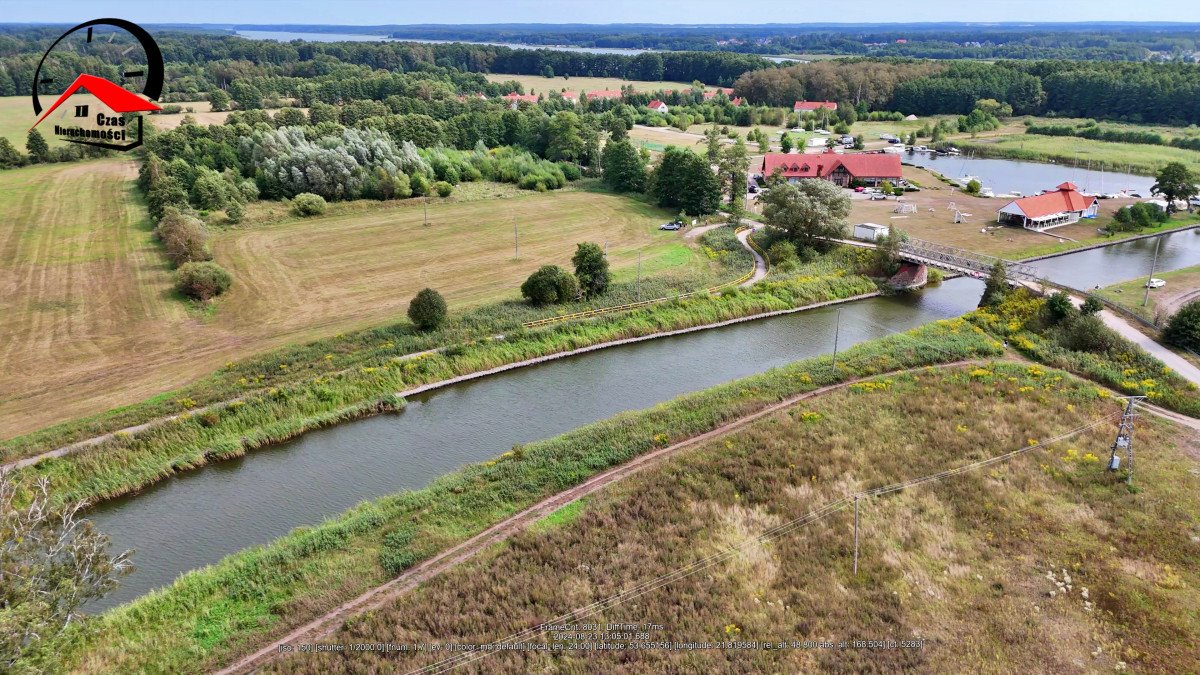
[(767, 536)]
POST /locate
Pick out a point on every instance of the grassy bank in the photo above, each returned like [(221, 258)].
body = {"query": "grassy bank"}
[(1086, 347), (213, 614), (960, 565), (1181, 284), (1122, 157), (127, 462)]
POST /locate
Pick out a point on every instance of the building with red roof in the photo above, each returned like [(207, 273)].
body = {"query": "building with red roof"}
[(813, 106), (843, 169), (658, 106), (1061, 206), (605, 93), (515, 99), (737, 100)]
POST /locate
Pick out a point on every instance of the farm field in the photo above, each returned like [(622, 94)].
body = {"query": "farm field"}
[(1182, 287), (934, 221), (989, 562), (91, 321), (536, 84)]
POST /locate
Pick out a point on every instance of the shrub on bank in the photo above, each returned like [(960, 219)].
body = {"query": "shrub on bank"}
[(202, 280), (308, 204)]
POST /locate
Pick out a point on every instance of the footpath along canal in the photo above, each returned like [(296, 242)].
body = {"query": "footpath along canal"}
[(201, 516)]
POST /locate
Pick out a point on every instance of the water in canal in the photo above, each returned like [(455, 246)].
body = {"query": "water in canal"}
[(1006, 175), (201, 516), (1105, 266)]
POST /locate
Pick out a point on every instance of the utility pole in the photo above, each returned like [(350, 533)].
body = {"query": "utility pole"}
[(605, 248), (836, 333), (855, 535), (516, 243), (1124, 440), (426, 200), (1153, 264)]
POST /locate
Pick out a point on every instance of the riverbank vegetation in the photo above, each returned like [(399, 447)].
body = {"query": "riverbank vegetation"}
[(326, 395), (209, 616), (1057, 335), (1044, 544)]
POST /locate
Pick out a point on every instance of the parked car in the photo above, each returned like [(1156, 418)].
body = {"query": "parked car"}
[(893, 141), (671, 226), (821, 132), (752, 189), (877, 196), (860, 189), (1155, 283)]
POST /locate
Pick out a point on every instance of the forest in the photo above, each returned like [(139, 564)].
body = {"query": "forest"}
[(1083, 41), (256, 71)]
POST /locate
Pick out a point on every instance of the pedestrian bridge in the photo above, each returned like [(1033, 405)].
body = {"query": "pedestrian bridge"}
[(962, 261)]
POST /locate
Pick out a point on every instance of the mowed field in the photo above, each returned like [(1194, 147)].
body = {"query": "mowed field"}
[(536, 84), (89, 321)]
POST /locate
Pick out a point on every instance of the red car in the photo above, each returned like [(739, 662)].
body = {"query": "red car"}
[(859, 188)]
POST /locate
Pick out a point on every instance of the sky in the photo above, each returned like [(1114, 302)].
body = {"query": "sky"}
[(375, 12)]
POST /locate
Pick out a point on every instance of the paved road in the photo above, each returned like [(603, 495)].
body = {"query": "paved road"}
[(1174, 361), (760, 264)]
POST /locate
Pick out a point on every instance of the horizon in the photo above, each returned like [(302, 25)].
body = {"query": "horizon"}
[(613, 12)]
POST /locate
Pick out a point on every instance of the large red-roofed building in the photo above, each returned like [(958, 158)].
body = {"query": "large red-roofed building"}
[(843, 169), (813, 106), (604, 93), (1062, 206)]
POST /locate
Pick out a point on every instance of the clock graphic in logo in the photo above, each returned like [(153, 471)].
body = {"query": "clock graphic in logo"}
[(126, 77)]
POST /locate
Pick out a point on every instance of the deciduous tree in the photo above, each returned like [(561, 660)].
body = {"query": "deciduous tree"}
[(591, 269), (807, 211), (51, 562)]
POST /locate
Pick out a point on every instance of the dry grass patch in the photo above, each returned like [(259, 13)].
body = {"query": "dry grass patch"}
[(91, 322), (961, 564)]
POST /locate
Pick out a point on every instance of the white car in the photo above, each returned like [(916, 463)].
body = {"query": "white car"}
[(1155, 283), (821, 132)]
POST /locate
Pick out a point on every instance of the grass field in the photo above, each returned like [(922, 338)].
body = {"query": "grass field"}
[(536, 84), (1125, 157), (934, 221), (960, 565), (1182, 287), (91, 322)]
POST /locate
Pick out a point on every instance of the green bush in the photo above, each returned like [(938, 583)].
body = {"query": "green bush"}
[(443, 188), (550, 284), (307, 204), (1183, 329), (202, 280), (183, 236), (427, 309)]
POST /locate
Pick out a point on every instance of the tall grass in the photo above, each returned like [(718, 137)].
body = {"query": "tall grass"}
[(210, 615)]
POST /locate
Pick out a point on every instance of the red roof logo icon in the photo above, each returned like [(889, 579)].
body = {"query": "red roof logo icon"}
[(117, 99)]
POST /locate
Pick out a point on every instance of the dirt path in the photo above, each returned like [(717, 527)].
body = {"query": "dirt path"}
[(328, 623), (325, 625), (1171, 304)]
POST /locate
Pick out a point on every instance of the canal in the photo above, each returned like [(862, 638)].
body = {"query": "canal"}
[(1006, 175), (200, 516)]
